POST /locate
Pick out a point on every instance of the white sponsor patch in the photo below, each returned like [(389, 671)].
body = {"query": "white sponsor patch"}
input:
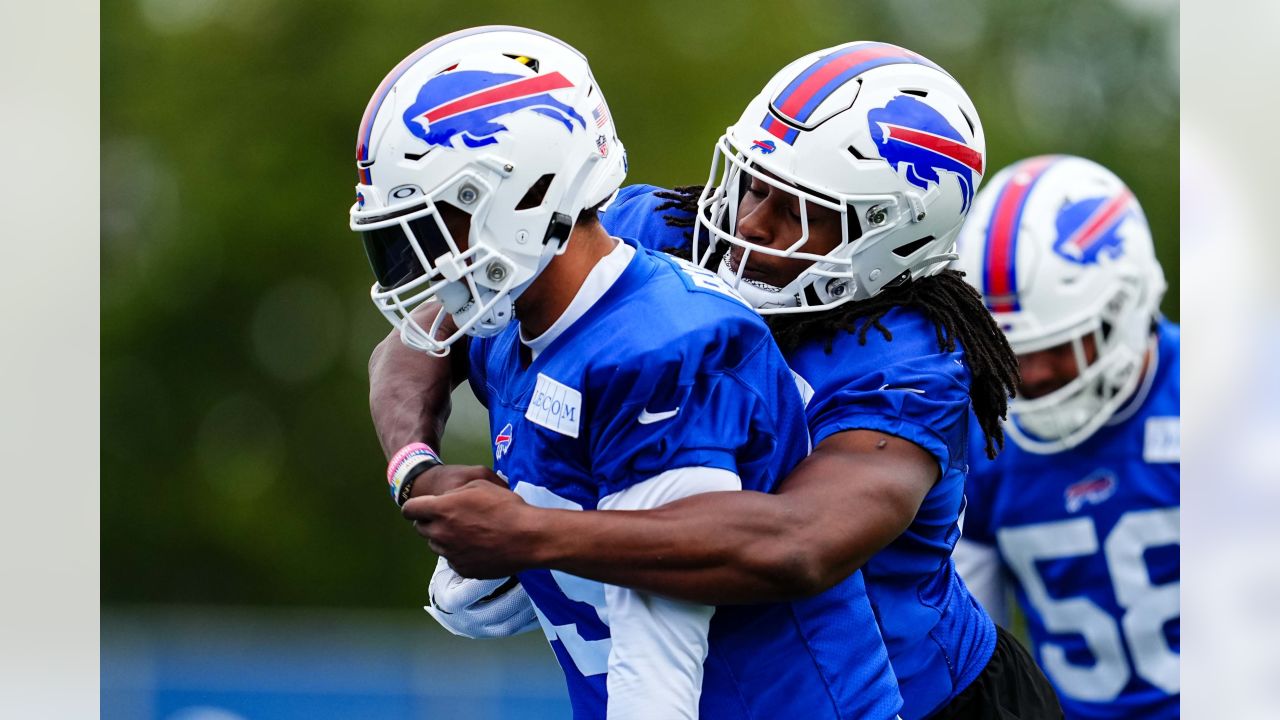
[(555, 406), (1163, 440)]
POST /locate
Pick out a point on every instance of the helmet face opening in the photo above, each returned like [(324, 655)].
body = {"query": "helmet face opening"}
[(831, 276)]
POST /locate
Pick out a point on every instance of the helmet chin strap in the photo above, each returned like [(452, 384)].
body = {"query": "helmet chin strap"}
[(466, 309), (455, 298), (760, 295)]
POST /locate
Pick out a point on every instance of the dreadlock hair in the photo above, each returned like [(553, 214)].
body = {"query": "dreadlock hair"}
[(683, 199), (953, 306), (956, 311)]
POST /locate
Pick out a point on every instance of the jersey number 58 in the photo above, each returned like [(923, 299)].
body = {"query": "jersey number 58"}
[(1146, 607)]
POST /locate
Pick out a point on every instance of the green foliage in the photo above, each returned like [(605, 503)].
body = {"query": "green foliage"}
[(239, 465)]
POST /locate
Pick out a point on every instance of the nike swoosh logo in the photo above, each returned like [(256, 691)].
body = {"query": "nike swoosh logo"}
[(647, 418), (904, 389)]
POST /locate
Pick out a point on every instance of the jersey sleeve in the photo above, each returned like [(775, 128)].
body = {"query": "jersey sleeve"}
[(634, 215), (923, 399), (691, 403)]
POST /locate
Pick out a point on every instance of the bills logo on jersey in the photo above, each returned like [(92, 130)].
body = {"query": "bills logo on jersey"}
[(1090, 228), (764, 146), (919, 143), (502, 442), (1097, 487), (467, 103)]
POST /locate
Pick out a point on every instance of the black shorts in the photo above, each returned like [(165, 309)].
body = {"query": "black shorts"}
[(1011, 687)]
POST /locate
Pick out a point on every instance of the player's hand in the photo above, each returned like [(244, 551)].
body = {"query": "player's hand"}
[(444, 478), (477, 527)]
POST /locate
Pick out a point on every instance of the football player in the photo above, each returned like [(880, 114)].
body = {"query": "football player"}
[(839, 193), (1081, 511), (615, 378)]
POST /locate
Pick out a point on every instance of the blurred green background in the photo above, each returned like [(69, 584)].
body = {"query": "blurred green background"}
[(239, 466)]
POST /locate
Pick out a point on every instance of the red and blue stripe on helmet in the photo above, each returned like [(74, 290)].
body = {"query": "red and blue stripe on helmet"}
[(1000, 258), (802, 96)]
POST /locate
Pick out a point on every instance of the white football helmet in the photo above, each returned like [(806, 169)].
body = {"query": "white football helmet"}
[(873, 131), (1060, 249), (508, 126)]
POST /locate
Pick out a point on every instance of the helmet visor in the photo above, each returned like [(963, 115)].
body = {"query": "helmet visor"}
[(391, 254)]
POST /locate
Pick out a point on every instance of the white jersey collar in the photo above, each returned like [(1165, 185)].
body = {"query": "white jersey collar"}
[(599, 280)]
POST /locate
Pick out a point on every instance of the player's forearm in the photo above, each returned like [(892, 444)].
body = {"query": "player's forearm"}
[(409, 393), (714, 548), (836, 510)]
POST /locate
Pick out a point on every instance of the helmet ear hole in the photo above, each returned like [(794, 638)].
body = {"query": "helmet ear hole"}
[(537, 192), (911, 247)]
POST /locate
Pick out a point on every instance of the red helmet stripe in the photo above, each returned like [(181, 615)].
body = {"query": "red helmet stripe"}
[(957, 151), (524, 87)]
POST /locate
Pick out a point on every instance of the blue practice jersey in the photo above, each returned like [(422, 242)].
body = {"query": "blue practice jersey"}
[(667, 370), (1090, 536), (938, 637)]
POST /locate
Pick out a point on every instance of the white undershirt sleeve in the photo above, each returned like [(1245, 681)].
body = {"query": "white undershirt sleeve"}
[(979, 566), (659, 644)]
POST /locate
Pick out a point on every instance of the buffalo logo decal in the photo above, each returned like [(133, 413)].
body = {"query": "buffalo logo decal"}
[(919, 143), (1089, 228), (468, 103)]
